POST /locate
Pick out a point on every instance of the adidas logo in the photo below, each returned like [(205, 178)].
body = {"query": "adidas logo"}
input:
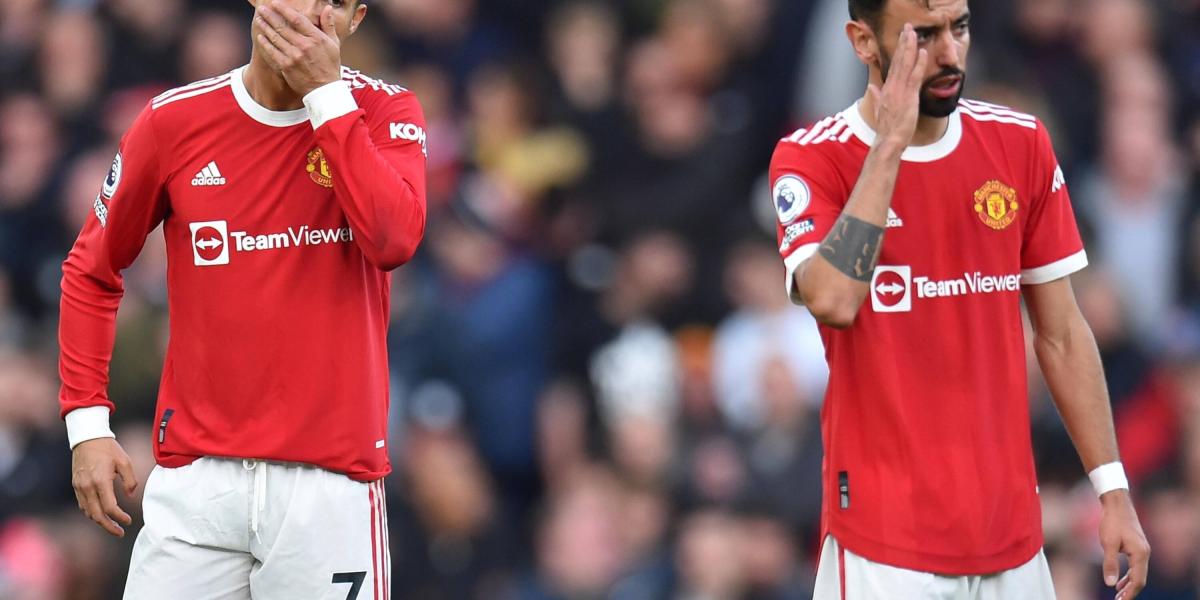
[(209, 176), (893, 220)]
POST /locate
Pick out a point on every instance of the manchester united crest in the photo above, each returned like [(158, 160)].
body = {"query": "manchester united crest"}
[(996, 204), (318, 168)]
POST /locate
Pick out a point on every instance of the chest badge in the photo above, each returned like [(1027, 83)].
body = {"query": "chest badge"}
[(318, 168), (996, 204)]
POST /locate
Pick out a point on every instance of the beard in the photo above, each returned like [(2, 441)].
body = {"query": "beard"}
[(933, 106)]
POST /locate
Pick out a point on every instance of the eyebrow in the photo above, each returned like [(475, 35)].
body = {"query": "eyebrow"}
[(931, 29)]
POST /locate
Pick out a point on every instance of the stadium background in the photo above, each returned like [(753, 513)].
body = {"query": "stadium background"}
[(599, 388)]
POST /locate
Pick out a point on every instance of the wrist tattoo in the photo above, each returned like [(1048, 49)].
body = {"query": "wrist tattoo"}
[(852, 247)]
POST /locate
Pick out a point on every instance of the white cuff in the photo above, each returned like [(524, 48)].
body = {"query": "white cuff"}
[(329, 102), (1107, 478), (89, 423)]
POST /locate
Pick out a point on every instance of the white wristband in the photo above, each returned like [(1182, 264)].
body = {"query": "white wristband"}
[(1107, 478)]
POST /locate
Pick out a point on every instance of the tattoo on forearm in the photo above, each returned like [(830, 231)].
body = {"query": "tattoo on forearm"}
[(852, 247)]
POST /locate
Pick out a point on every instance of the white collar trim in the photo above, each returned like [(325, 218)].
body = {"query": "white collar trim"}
[(932, 152), (256, 111)]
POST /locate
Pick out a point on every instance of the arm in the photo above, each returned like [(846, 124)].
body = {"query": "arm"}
[(130, 205), (380, 187), (835, 282), (1067, 353), (379, 182)]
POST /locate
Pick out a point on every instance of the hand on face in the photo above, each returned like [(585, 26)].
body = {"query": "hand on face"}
[(308, 57), (897, 103)]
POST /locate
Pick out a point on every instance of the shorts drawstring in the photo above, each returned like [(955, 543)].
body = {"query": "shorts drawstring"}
[(260, 491)]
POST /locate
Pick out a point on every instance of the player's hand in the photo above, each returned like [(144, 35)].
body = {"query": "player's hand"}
[(1121, 533), (95, 465), (308, 57), (898, 102)]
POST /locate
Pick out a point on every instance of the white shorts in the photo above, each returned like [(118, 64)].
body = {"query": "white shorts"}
[(232, 529), (867, 580)]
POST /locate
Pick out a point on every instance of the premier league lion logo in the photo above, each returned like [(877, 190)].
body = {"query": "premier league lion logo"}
[(785, 201), (791, 198)]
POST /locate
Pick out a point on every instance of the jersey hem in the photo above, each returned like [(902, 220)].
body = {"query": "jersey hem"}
[(1055, 270), (1008, 559), (174, 461)]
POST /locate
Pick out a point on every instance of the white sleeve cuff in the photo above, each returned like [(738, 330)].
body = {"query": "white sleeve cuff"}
[(793, 262), (1055, 270), (89, 423), (329, 102)]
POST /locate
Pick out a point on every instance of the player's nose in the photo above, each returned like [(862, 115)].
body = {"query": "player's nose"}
[(946, 50)]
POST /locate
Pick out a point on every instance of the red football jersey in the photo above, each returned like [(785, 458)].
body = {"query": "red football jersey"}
[(280, 230), (928, 461)]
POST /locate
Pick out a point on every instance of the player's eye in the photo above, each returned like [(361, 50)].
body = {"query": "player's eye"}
[(337, 3)]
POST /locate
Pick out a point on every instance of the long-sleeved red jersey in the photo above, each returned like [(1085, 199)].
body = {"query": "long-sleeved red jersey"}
[(281, 228)]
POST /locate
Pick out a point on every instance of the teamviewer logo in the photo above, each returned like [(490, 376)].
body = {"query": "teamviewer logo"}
[(210, 243), (891, 289)]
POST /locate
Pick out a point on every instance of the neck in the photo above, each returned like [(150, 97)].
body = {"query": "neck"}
[(268, 87), (929, 129)]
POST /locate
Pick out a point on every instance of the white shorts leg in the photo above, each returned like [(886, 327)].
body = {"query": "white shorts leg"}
[(843, 575), (1030, 580), (321, 536), (193, 544)]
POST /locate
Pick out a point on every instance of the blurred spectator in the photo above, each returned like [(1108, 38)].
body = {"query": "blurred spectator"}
[(214, 43), (580, 551), (710, 552), (1137, 195), (765, 330), (1173, 529)]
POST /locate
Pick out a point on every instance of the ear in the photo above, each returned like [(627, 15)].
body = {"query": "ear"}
[(360, 12), (862, 39)]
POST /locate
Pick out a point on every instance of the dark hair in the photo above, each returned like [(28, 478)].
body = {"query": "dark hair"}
[(867, 10)]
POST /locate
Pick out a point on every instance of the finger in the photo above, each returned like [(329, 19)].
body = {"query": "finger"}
[(128, 477), (908, 52), (1123, 583), (276, 26), (917, 75), (1111, 566), (274, 55), (108, 501), (327, 25), (95, 512), (1139, 567), (901, 51), (295, 20)]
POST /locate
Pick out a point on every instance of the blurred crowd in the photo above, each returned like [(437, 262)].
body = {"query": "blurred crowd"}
[(600, 389)]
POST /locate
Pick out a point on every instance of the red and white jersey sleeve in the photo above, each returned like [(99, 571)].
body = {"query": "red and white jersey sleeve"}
[(808, 192), (129, 206), (1052, 246), (380, 149)]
